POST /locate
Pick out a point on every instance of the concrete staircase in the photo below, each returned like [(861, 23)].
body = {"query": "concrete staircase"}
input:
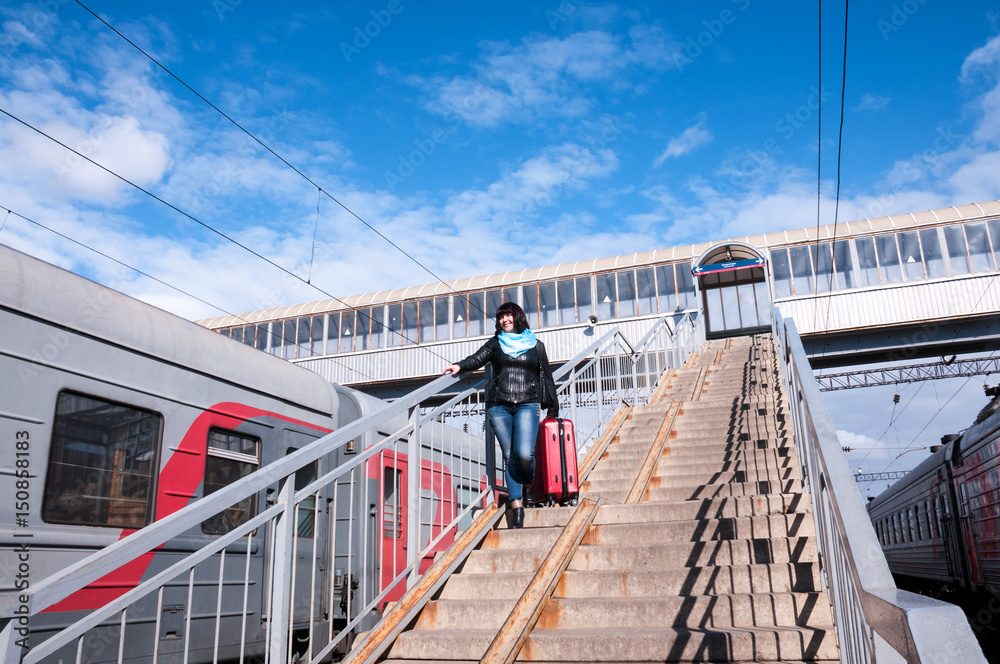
[(716, 562)]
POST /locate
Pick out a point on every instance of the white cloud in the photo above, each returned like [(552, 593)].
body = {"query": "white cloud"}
[(687, 141), (871, 102), (543, 77)]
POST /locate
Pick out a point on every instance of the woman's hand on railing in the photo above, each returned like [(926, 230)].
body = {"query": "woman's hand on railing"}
[(452, 369)]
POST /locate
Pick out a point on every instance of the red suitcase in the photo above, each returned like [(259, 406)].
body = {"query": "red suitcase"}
[(555, 463)]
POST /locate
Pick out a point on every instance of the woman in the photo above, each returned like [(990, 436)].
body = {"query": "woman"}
[(521, 379)]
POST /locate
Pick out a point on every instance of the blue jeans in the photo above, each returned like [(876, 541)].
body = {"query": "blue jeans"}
[(516, 427)]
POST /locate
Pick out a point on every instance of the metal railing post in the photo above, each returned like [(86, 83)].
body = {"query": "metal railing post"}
[(413, 504), (282, 562)]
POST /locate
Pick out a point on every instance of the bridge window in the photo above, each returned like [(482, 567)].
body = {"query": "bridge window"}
[(529, 303), (979, 247), (425, 319), (865, 247), (933, 258), (584, 298), (394, 325), (493, 302), (362, 329), (782, 274), (547, 312), (626, 294), (685, 286), (567, 301), (912, 262), (379, 331), (333, 333), (477, 313), (958, 256), (844, 265), (645, 291), (102, 463), (411, 323), (606, 296), (441, 318), (802, 273), (823, 260), (888, 258), (229, 457)]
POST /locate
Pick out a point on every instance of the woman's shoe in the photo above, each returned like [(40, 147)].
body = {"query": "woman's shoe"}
[(518, 520), (529, 495)]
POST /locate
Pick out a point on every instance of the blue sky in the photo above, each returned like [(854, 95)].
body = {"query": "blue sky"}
[(477, 137)]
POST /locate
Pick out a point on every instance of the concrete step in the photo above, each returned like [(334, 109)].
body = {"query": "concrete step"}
[(695, 554), (690, 611), (671, 581), (501, 585), (687, 510), (750, 644), (754, 527), (659, 493)]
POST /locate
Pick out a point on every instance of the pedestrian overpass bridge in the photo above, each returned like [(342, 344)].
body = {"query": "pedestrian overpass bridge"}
[(913, 285)]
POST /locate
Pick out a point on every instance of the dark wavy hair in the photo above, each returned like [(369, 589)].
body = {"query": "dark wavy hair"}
[(520, 320)]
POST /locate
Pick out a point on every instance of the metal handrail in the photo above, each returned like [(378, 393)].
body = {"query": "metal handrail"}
[(875, 621), (610, 371)]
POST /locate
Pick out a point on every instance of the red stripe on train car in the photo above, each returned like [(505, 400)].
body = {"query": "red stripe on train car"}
[(178, 480)]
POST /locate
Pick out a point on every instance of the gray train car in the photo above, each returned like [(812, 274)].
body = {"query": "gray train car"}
[(941, 523), (114, 414)]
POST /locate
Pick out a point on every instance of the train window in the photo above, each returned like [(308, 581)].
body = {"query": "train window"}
[(102, 463), (306, 508), (919, 528), (897, 535), (910, 529), (392, 507), (964, 499), (229, 457)]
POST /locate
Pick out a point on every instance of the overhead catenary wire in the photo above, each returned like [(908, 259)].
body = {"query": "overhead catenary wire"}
[(268, 148), (205, 225), (149, 276)]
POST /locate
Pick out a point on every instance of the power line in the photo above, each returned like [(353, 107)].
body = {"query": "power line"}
[(268, 148), (157, 280), (206, 225)]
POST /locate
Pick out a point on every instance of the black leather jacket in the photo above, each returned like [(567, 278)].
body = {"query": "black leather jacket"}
[(523, 379)]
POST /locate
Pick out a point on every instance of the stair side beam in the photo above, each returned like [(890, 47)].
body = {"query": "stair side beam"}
[(661, 387), (378, 640), (507, 644), (653, 456), (699, 384)]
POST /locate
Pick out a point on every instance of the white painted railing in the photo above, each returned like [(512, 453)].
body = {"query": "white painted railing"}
[(875, 621), (327, 550)]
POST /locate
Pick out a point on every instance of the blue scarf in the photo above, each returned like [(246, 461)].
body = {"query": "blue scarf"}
[(517, 345)]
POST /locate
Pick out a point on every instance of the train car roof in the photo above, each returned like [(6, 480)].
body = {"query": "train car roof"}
[(36, 288), (922, 469)]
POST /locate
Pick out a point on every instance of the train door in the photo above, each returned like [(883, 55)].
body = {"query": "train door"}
[(391, 533), (311, 567), (969, 531)]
